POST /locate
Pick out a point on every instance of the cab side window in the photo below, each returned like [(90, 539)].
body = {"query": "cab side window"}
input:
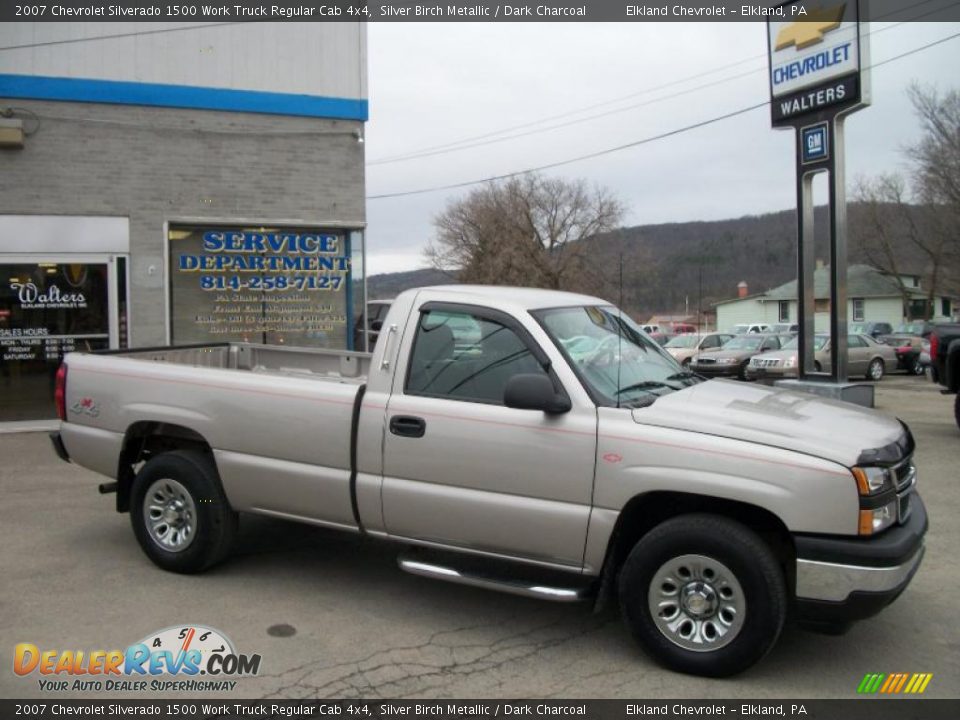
[(466, 357)]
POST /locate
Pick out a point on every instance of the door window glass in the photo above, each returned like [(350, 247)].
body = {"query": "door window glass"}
[(466, 357)]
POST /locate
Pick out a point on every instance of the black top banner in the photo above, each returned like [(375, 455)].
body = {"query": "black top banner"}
[(446, 11)]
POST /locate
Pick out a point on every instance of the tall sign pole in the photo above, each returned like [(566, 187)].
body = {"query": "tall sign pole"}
[(817, 78)]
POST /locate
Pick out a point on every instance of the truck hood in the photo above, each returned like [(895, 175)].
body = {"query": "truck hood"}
[(805, 423)]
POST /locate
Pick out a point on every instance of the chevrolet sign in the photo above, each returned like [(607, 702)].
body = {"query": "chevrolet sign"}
[(815, 63)]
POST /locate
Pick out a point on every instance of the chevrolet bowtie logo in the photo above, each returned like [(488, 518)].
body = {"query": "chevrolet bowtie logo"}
[(810, 32)]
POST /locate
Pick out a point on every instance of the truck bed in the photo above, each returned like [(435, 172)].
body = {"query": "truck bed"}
[(340, 365)]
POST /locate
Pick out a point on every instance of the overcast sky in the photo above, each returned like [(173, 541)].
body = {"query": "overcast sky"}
[(434, 84)]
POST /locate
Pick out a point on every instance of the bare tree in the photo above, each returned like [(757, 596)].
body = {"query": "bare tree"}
[(526, 230), (901, 223)]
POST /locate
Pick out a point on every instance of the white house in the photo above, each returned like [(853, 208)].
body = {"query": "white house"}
[(871, 296)]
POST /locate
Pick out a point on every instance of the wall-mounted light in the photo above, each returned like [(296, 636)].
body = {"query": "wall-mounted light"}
[(11, 133)]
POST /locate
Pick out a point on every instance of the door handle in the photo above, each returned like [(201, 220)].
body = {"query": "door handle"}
[(408, 426)]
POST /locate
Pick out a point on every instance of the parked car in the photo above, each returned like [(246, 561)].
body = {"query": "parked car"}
[(682, 328), (709, 509), (945, 362), (876, 330), (662, 338), (684, 347), (920, 328), (865, 356), (732, 359), (785, 328), (908, 347), (745, 328)]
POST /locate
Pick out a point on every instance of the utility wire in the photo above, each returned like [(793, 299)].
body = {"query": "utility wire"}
[(491, 138), (47, 43), (635, 143)]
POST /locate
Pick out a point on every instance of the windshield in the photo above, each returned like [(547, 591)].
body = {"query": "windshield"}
[(619, 365), (818, 342), (744, 342), (682, 341), (911, 328)]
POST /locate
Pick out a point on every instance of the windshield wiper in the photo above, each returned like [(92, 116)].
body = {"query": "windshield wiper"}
[(683, 375), (647, 385)]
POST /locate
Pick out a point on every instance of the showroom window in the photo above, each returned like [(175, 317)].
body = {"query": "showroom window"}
[(276, 285)]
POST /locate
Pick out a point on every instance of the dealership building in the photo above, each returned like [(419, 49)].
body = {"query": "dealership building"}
[(176, 183)]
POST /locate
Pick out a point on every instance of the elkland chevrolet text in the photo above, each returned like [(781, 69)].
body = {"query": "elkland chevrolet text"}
[(523, 440)]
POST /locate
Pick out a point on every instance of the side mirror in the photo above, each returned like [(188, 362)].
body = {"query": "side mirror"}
[(534, 392)]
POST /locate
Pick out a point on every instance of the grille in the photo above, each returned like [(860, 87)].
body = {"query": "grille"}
[(905, 477), (766, 362)]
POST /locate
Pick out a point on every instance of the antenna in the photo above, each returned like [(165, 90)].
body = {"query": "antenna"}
[(619, 328)]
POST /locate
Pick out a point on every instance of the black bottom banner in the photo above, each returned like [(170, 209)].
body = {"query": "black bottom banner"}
[(854, 709)]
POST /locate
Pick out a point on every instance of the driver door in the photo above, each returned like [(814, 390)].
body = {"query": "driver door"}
[(463, 470)]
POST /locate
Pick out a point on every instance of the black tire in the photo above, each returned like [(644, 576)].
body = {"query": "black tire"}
[(875, 370), (214, 523), (817, 366), (723, 542), (916, 367), (956, 408), (742, 371)]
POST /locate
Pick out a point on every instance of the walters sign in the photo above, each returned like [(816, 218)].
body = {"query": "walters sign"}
[(816, 57)]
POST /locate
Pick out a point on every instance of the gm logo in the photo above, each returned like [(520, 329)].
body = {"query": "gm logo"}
[(815, 143), (810, 32)]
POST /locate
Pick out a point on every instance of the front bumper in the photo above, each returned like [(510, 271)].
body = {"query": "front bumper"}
[(840, 580), (771, 373), (712, 370)]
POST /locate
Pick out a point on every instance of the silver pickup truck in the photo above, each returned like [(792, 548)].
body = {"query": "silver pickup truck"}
[(529, 441)]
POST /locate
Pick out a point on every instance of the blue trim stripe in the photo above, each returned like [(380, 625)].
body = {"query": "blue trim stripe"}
[(182, 96)]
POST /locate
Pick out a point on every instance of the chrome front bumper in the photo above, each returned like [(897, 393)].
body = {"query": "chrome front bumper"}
[(834, 582)]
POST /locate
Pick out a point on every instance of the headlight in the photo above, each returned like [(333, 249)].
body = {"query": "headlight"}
[(872, 480), (877, 519), (790, 362)]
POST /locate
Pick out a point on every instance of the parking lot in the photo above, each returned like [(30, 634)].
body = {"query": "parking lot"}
[(356, 626)]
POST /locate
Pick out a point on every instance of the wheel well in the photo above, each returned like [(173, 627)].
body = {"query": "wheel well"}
[(142, 441), (645, 512)]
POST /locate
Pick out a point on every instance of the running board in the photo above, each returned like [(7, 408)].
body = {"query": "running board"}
[(440, 572)]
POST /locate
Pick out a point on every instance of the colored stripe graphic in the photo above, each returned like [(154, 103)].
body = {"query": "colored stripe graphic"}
[(894, 683)]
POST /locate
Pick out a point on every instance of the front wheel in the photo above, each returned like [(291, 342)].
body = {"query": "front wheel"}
[(703, 595), (180, 515), (875, 370), (956, 408)]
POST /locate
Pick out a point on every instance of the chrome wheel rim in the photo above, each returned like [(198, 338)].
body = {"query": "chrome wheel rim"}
[(876, 370), (697, 603), (170, 515)]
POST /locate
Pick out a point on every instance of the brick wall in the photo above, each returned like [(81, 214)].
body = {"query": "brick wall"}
[(157, 165)]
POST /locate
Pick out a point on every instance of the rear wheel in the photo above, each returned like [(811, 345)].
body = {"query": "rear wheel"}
[(956, 408), (875, 370), (704, 595), (180, 515)]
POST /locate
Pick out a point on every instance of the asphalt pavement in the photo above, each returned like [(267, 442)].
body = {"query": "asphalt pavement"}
[(332, 616)]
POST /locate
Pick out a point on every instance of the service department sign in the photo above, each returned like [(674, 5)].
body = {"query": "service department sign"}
[(816, 55)]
